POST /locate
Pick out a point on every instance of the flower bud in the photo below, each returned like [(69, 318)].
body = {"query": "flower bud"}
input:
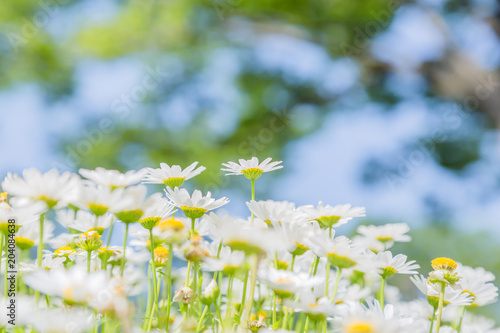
[(90, 241), (184, 295), (161, 256), (149, 222), (210, 294)]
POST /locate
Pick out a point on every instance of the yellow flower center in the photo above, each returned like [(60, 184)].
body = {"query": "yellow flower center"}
[(171, 224), (389, 272), (24, 243), (68, 293), (252, 173), (282, 265), (64, 251), (130, 216), (282, 280), (161, 252), (103, 249), (50, 202), (174, 181), (359, 327), (193, 212), (444, 264), (91, 234), (471, 294), (3, 197), (340, 261), (299, 249), (99, 230), (90, 240), (98, 209), (150, 222), (384, 239), (328, 221)]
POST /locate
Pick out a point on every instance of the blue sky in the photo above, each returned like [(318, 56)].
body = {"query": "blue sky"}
[(327, 164)]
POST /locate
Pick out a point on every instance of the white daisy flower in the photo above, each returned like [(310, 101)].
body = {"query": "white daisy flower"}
[(99, 199), (475, 281), (328, 216), (84, 221), (293, 234), (394, 265), (340, 251), (285, 283), (29, 234), (348, 293), (63, 320), (49, 262), (433, 290), (249, 239), (74, 285), (229, 262), (114, 178), (172, 176), (133, 206), (155, 209), (315, 307), (251, 168), (194, 206), (371, 318), (383, 237), (23, 215), (61, 240), (271, 211), (445, 271), (54, 189)]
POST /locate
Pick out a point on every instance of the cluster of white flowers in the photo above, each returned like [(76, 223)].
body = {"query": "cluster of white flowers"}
[(184, 268)]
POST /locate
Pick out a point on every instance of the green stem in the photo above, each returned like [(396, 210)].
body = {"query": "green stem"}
[(316, 263), (293, 262), (243, 297), (193, 220), (440, 306), (195, 283), (149, 304), (459, 328), (200, 322), (122, 268), (169, 284), (89, 255), (432, 320), (229, 317), (219, 316), (253, 198), (153, 267), (274, 308), (187, 273), (110, 233), (39, 254), (306, 326), (253, 280), (104, 265), (337, 282), (285, 320), (381, 294), (40, 242)]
